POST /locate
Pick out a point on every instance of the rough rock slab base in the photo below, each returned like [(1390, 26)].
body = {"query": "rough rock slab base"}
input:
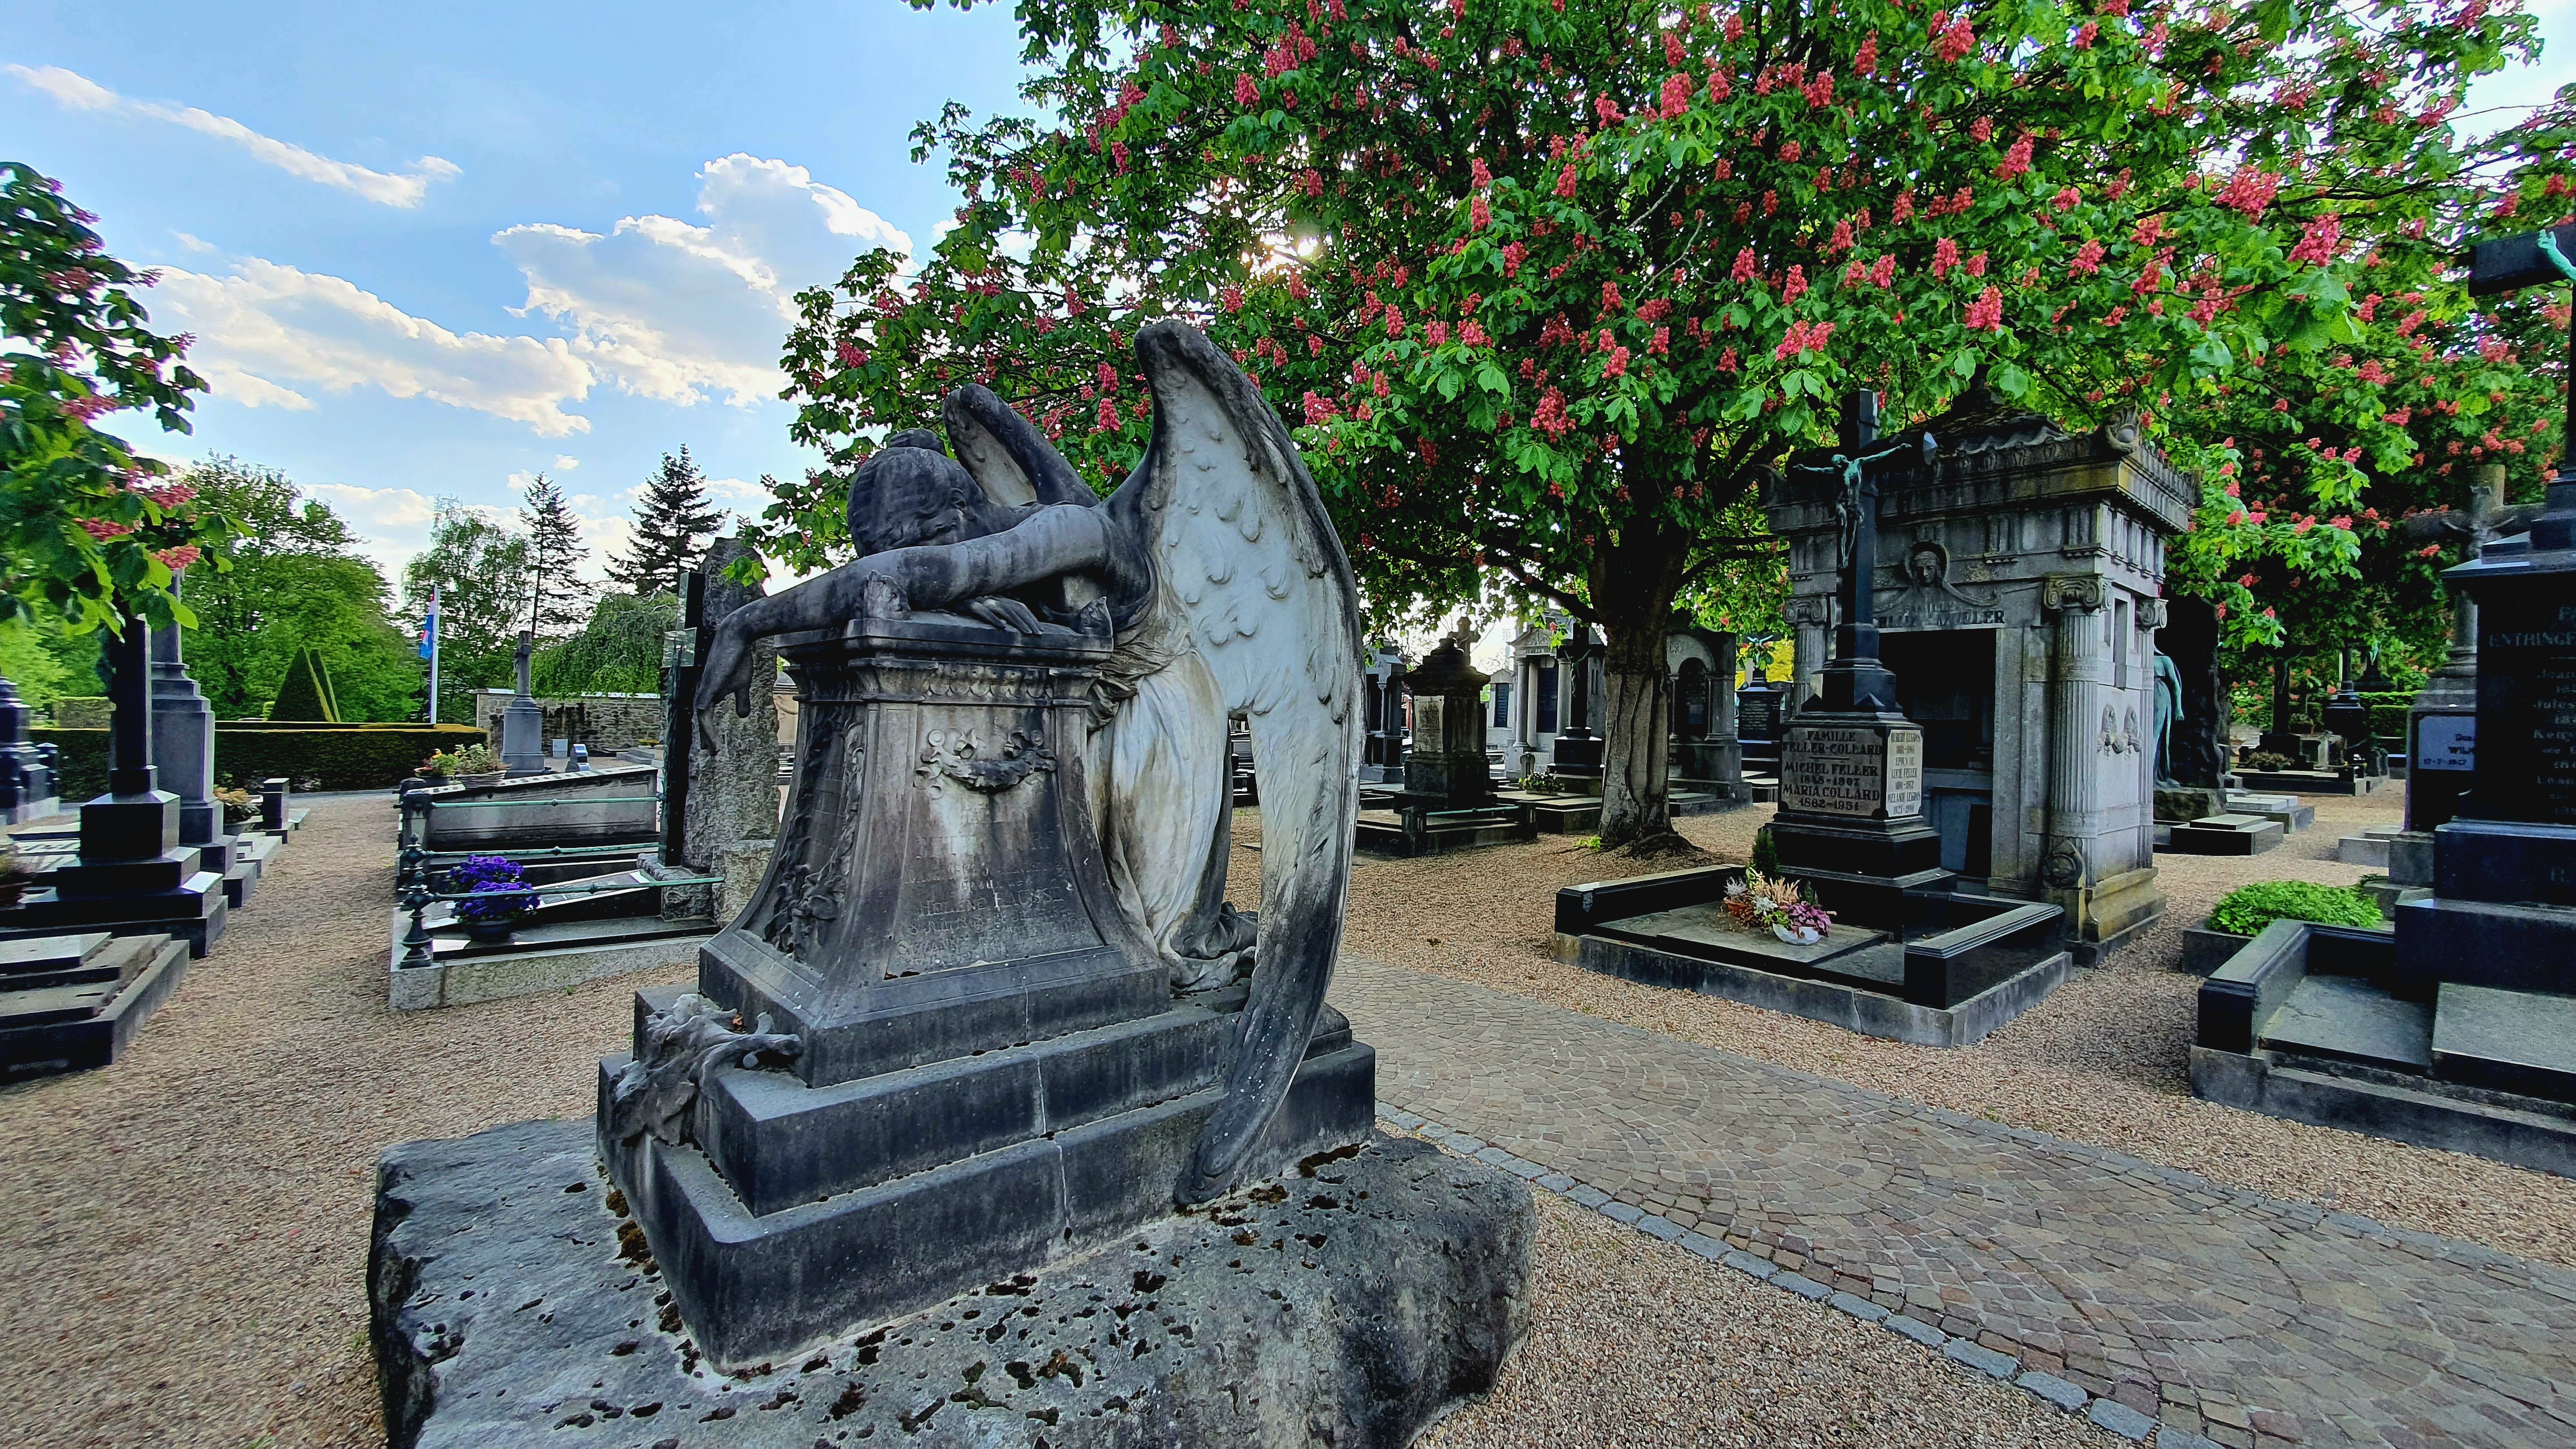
[(1349, 1307)]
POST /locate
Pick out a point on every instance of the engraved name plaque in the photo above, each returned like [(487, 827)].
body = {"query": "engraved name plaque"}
[(1857, 771), (2447, 742)]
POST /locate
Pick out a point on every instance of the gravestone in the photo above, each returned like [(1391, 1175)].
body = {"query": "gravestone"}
[(523, 724), (984, 1024), (132, 876), (1382, 695), (1446, 768), (1851, 764), (183, 754), (1576, 754), (2504, 867), (27, 789), (731, 803), (2442, 723)]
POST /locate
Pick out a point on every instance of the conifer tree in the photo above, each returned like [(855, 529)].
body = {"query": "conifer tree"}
[(555, 605), (671, 522)]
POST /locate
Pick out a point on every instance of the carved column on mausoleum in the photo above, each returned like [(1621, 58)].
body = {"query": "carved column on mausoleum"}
[(2083, 729)]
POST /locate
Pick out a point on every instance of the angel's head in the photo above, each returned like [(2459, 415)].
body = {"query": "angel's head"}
[(911, 492)]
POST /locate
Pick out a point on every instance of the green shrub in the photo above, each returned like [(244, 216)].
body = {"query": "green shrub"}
[(2266, 760), (1766, 856), (81, 711), (2246, 910), (305, 693), (325, 758)]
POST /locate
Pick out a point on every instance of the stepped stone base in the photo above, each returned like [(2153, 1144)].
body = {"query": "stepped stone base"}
[(69, 1003), (1351, 1302), (781, 1178)]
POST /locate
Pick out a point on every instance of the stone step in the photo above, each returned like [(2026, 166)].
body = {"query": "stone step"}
[(2285, 809), (2370, 848), (2231, 834), (2348, 1019), (70, 1028), (42, 961), (2505, 1041), (779, 1142)]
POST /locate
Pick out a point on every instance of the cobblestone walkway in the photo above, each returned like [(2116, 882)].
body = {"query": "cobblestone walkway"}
[(2250, 1321)]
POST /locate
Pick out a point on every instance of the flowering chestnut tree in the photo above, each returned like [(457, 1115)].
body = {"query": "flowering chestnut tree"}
[(2316, 459), (1549, 286), (88, 529)]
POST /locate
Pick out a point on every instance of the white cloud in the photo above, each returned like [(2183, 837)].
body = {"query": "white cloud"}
[(748, 498), (405, 189), (392, 523), (194, 243), (565, 462), (677, 311), (268, 326)]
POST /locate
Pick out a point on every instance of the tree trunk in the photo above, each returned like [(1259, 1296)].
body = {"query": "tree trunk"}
[(1633, 585)]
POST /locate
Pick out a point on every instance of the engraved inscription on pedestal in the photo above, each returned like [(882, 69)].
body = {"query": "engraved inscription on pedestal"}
[(1904, 773), (1857, 771), (2527, 703)]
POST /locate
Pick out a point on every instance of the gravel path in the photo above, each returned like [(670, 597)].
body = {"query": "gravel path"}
[(2101, 1061), (185, 1255)]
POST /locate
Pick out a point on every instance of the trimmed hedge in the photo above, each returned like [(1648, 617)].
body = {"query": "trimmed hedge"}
[(315, 758), (306, 692)]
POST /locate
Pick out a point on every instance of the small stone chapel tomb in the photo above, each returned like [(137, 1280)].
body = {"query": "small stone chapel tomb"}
[(2017, 599)]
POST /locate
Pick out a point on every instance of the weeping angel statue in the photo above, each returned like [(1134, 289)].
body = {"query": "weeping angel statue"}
[(1228, 593)]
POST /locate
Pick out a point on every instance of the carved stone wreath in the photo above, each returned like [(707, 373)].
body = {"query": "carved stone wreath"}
[(2064, 868), (959, 755)]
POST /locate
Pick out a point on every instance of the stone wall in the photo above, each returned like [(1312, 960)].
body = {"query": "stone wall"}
[(605, 722)]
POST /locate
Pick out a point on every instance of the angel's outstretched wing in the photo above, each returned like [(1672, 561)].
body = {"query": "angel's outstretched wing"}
[(1246, 558)]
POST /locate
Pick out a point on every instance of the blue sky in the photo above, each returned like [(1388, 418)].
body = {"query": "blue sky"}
[(433, 250)]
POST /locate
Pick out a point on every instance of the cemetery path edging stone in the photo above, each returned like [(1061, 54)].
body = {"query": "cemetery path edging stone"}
[(2150, 1300)]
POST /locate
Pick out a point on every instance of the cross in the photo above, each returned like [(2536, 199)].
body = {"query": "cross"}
[(1855, 680), (2539, 258)]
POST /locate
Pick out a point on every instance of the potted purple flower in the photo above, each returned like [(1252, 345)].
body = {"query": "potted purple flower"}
[(500, 896)]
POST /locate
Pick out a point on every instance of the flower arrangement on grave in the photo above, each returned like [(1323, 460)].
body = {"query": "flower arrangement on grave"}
[(1778, 904), (238, 805), (499, 896), (462, 761)]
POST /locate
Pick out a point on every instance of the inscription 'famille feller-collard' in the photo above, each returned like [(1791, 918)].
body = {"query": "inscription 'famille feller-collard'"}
[(1857, 772)]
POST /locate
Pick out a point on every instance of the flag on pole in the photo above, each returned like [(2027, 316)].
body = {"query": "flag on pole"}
[(429, 651)]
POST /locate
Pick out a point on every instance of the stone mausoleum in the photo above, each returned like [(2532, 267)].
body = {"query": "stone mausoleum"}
[(1547, 707), (2017, 595)]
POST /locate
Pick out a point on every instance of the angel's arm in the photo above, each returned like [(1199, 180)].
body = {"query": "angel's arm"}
[(1050, 542)]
